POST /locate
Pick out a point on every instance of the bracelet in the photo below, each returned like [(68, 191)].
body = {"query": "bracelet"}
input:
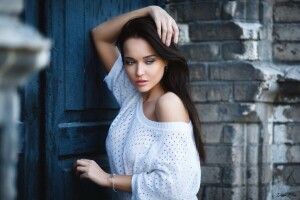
[(113, 176)]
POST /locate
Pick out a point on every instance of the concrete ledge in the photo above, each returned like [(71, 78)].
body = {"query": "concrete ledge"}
[(15, 35), (23, 51), (11, 6)]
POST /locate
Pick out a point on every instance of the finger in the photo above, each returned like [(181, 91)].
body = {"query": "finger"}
[(84, 175), (76, 164), (158, 26), (169, 34), (84, 162), (176, 33), (164, 33), (80, 170)]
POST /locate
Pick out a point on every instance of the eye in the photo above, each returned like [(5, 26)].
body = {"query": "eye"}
[(149, 62), (129, 62)]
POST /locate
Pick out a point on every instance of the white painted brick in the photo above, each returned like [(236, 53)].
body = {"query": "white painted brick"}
[(287, 32), (211, 133), (285, 153), (253, 132), (287, 13), (233, 175), (247, 50), (287, 51), (285, 192), (252, 154), (183, 34), (210, 175), (252, 175)]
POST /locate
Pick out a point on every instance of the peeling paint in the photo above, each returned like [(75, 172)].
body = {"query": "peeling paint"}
[(250, 109), (250, 30), (230, 8), (184, 33), (250, 51), (281, 191), (279, 114)]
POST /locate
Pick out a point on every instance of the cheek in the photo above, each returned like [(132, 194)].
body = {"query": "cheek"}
[(130, 73), (158, 73), (160, 70)]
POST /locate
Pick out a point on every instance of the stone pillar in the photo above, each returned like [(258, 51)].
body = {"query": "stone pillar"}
[(23, 52)]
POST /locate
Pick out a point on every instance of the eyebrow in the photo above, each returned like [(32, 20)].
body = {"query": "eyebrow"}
[(127, 57)]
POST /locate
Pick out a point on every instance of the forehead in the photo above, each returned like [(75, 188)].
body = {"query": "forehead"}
[(137, 47)]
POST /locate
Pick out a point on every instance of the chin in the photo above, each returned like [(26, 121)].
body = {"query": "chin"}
[(143, 90)]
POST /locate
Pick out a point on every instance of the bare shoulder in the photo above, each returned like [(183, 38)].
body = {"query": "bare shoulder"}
[(170, 108)]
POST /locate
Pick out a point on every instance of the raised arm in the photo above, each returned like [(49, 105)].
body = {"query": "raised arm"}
[(106, 34)]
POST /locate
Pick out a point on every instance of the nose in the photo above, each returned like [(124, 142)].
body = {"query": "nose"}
[(140, 70)]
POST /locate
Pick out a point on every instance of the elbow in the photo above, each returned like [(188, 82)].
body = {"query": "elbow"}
[(99, 35)]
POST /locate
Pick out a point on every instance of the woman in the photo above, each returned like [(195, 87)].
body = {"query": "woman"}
[(152, 144)]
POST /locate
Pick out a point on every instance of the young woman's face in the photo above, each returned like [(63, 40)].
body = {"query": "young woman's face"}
[(143, 66)]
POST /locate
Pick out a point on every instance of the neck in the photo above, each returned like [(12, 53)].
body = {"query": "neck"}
[(153, 94)]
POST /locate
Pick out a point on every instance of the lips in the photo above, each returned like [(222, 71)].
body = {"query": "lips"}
[(141, 83)]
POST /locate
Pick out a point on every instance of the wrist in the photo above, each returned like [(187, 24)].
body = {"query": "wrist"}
[(150, 10), (112, 181), (108, 182)]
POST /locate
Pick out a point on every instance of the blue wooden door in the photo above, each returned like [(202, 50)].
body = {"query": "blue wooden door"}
[(78, 106)]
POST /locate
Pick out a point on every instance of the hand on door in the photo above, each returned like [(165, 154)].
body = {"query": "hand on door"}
[(89, 169)]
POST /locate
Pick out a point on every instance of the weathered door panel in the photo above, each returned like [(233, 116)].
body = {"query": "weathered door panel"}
[(30, 161)]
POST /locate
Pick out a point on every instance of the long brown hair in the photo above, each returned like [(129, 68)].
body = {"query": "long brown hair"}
[(176, 77)]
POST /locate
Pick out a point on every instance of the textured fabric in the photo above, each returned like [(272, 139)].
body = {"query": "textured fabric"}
[(161, 156)]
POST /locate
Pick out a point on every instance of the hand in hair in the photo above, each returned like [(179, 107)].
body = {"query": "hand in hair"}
[(106, 34), (166, 25)]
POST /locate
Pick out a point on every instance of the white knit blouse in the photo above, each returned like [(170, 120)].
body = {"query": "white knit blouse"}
[(161, 156)]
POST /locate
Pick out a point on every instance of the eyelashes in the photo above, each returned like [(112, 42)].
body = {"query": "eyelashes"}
[(129, 62), (149, 62), (132, 62)]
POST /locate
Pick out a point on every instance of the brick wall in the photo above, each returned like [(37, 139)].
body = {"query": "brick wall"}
[(287, 31), (245, 72), (286, 134)]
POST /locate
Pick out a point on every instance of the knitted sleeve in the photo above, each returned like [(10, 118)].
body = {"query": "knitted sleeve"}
[(118, 82), (172, 172)]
